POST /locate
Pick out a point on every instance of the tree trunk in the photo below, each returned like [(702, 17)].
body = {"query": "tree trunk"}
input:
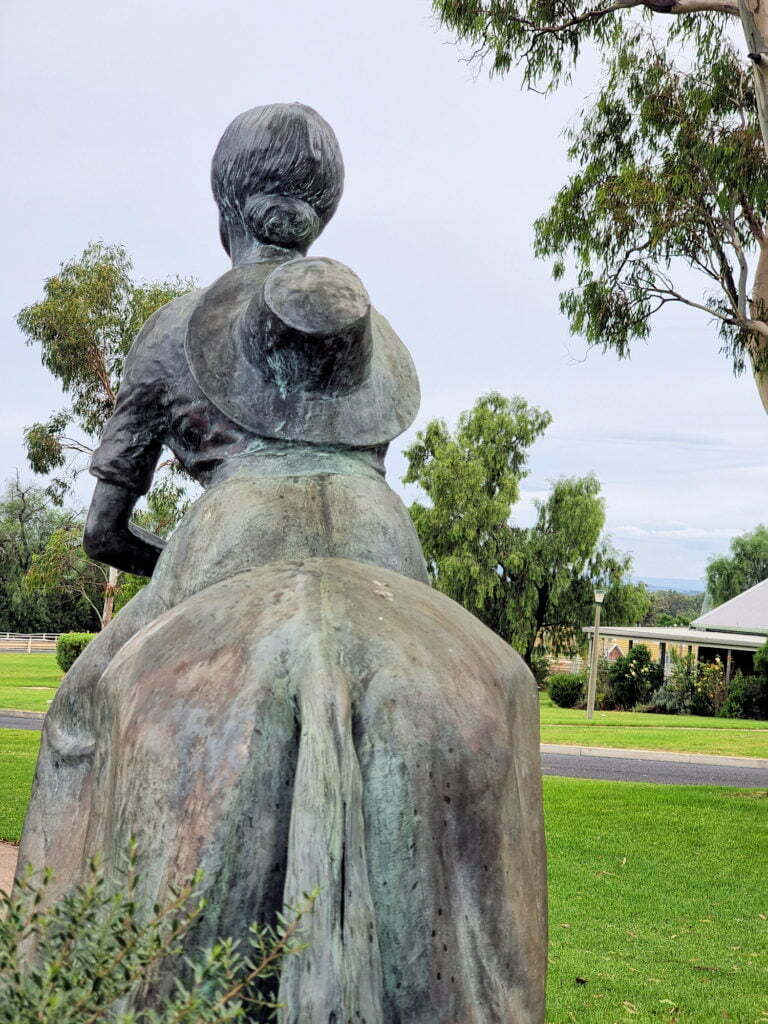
[(758, 308), (754, 21), (109, 597)]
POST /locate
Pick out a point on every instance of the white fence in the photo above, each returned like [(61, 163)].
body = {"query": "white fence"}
[(28, 643)]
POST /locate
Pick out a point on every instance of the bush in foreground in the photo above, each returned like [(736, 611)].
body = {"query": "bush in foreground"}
[(566, 690), (69, 647), (94, 948)]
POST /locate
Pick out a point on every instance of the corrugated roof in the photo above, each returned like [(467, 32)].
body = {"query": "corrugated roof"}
[(745, 613), (683, 635)]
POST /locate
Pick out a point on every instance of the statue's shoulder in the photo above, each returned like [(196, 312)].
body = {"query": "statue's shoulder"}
[(161, 338)]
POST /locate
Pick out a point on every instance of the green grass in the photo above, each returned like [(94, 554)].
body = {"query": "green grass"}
[(18, 754), (658, 902), (551, 714), (658, 896), (28, 682), (630, 729), (702, 741)]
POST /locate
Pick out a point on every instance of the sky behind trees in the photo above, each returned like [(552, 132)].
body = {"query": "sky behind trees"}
[(111, 116)]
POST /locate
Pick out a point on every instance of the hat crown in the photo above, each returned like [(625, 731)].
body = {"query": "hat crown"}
[(290, 369), (308, 328)]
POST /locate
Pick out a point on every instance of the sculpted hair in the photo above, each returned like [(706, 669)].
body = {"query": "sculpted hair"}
[(278, 172)]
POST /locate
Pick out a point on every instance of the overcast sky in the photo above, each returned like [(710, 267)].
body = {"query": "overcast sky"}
[(111, 113)]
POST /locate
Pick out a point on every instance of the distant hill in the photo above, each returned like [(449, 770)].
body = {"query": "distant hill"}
[(669, 583)]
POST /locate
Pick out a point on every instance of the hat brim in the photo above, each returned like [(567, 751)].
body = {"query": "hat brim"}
[(378, 410)]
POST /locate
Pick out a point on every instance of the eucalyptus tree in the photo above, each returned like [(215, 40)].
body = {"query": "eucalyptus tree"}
[(524, 583), (672, 157), (85, 323), (668, 205), (547, 37)]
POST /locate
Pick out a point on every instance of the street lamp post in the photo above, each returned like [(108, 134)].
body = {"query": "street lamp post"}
[(599, 595)]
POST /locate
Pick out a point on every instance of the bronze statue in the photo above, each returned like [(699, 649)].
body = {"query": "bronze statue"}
[(288, 704)]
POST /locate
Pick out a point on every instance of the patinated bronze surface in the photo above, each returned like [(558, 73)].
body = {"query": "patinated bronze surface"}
[(288, 704)]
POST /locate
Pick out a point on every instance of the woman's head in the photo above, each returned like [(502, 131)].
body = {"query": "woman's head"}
[(277, 176)]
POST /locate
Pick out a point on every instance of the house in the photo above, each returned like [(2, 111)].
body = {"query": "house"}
[(731, 632)]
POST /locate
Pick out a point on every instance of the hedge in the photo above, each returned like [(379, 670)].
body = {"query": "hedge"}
[(69, 647)]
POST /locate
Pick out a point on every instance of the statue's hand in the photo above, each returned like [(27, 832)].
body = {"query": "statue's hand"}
[(110, 536)]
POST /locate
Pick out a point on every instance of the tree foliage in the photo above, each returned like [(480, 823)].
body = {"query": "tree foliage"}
[(63, 565), (28, 521), (671, 178), (85, 323), (671, 158), (525, 584), (672, 608), (747, 564), (546, 39)]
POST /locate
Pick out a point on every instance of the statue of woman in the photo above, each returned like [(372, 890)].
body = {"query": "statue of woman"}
[(288, 704)]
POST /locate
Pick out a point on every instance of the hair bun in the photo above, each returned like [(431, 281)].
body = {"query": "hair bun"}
[(286, 221)]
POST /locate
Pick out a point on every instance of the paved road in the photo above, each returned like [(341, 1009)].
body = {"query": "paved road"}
[(14, 722), (624, 769), (575, 766)]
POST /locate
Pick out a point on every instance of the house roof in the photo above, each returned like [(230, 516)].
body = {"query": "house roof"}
[(745, 613), (684, 635)]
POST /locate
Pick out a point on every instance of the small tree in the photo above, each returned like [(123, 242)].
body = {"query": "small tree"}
[(64, 565), (632, 679), (28, 521), (526, 584)]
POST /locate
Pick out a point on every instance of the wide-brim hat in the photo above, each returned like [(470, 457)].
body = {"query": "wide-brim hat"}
[(237, 381)]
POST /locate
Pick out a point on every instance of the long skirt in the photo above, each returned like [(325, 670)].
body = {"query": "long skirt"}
[(318, 724)]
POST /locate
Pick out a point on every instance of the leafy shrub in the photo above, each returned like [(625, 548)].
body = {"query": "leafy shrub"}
[(632, 679), (666, 701), (747, 697), (69, 647), (540, 669), (708, 691), (566, 689), (93, 949), (697, 687)]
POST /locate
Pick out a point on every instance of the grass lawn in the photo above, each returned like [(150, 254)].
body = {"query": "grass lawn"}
[(551, 714), (747, 743), (683, 733), (658, 896), (18, 753), (28, 682), (658, 903)]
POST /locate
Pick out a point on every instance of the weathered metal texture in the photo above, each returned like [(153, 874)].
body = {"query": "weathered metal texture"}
[(248, 520), (326, 723), (365, 401), (287, 704)]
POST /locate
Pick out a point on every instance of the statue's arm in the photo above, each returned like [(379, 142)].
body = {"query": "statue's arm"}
[(111, 537), (125, 461)]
